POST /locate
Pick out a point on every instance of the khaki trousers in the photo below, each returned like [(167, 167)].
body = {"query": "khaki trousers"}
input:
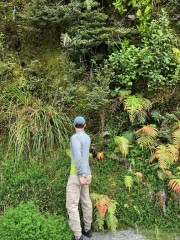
[(75, 193)]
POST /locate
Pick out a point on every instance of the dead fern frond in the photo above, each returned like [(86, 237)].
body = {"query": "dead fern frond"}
[(175, 184), (104, 211), (149, 129), (103, 205), (153, 157), (139, 175)]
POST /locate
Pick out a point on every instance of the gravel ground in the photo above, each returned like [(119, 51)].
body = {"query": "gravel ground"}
[(119, 235)]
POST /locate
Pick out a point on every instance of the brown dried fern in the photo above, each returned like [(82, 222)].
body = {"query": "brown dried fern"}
[(175, 184), (147, 129)]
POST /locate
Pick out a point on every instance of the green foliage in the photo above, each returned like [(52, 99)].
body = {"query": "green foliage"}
[(136, 106), (151, 65), (33, 126), (146, 138), (109, 218), (122, 145), (42, 179), (140, 8), (26, 222), (128, 181)]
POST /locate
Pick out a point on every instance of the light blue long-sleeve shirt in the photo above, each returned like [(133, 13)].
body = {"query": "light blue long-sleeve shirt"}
[(80, 146)]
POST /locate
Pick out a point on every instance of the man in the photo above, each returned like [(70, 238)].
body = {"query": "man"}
[(78, 183)]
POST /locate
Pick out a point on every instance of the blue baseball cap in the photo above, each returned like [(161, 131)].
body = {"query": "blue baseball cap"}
[(79, 120)]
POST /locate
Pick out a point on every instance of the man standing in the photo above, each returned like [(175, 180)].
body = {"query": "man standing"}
[(78, 183)]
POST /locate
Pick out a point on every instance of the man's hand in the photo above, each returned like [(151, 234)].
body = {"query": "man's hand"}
[(83, 179)]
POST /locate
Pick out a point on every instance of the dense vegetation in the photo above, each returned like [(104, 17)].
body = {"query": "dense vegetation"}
[(117, 63)]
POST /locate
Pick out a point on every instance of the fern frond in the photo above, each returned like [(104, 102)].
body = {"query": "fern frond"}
[(172, 152), (99, 220), (153, 157), (102, 205), (123, 144), (175, 184), (176, 138), (104, 211), (149, 129), (111, 220), (95, 198), (163, 156), (128, 181), (135, 106), (145, 140)]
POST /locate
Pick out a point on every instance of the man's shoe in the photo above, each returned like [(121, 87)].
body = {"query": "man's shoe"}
[(88, 233), (81, 238)]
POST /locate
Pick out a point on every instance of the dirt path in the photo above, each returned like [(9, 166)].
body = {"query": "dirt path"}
[(119, 235)]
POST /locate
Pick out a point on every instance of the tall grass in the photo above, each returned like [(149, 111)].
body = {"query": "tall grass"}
[(33, 126)]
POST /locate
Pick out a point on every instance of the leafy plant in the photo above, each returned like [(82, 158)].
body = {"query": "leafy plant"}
[(122, 145), (146, 136), (166, 155), (176, 138), (128, 181), (137, 107), (26, 222), (149, 66), (104, 211), (33, 126)]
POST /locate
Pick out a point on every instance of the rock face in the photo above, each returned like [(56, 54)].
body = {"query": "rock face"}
[(119, 235)]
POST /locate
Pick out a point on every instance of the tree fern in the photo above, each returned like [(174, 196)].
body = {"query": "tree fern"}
[(128, 181), (137, 107), (122, 145)]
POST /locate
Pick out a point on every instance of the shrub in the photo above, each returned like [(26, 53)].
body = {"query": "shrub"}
[(26, 222)]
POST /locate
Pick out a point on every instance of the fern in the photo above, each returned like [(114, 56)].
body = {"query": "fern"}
[(166, 155), (175, 184), (128, 181), (99, 221), (107, 216), (149, 129), (137, 107), (111, 220), (146, 136), (123, 145), (176, 138), (172, 152), (161, 154)]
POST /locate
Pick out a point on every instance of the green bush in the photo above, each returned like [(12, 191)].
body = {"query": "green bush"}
[(42, 180), (26, 222)]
